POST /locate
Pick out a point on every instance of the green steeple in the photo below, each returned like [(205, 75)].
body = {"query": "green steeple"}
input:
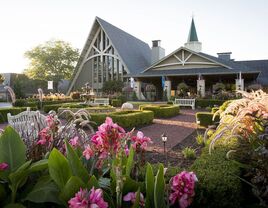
[(192, 33)]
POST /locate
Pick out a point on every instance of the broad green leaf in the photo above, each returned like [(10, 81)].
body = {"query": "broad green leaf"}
[(108, 198), (72, 186), (129, 165), (149, 183), (2, 192), (130, 185), (39, 166), (93, 182), (75, 163), (59, 169), (13, 205), (12, 149), (18, 177), (159, 188), (137, 200), (45, 190)]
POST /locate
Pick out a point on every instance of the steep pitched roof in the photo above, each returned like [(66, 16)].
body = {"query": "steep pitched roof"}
[(135, 53), (192, 33)]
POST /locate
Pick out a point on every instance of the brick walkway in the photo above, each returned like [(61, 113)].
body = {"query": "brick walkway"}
[(176, 128)]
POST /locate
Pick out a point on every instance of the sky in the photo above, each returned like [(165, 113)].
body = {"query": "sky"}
[(239, 26)]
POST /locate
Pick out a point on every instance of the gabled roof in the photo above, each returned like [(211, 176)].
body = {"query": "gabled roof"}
[(135, 53), (192, 33)]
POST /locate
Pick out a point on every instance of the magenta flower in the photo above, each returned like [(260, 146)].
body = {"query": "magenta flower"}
[(74, 141), (131, 196), (182, 189), (45, 136), (3, 166), (88, 152), (85, 199), (140, 141)]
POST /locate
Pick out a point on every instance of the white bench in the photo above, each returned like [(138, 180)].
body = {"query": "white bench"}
[(185, 102), (101, 101), (27, 123)]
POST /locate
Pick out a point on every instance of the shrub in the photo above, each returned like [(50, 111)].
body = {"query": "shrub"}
[(12, 111), (116, 102), (75, 95), (189, 153), (170, 102), (126, 119), (203, 103), (215, 109), (199, 139), (162, 111), (54, 107), (25, 103), (219, 185), (205, 118)]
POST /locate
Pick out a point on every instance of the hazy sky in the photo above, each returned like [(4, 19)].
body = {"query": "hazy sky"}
[(240, 26)]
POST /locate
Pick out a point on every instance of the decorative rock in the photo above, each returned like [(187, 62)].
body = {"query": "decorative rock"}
[(127, 106)]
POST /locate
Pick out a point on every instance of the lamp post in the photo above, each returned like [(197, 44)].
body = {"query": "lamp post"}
[(164, 140)]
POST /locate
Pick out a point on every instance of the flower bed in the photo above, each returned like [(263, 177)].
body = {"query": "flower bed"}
[(99, 109), (126, 119), (162, 111)]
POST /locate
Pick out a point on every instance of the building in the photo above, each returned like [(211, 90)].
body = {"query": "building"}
[(112, 54)]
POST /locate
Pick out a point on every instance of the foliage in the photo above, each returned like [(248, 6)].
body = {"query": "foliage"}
[(75, 95), (218, 87), (126, 119), (214, 109), (189, 153), (150, 88), (182, 87), (52, 61), (205, 118), (116, 102), (203, 103), (162, 111), (112, 86), (12, 111), (199, 139)]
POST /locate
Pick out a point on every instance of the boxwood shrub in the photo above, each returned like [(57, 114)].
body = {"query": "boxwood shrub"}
[(13, 111), (25, 103), (218, 183), (126, 119), (205, 118), (203, 103), (116, 102), (162, 111)]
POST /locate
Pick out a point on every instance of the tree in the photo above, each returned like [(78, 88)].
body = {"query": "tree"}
[(52, 61), (113, 86)]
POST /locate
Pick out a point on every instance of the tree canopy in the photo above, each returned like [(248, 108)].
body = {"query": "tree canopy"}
[(52, 61)]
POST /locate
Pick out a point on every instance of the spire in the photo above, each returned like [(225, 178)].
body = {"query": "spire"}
[(192, 33)]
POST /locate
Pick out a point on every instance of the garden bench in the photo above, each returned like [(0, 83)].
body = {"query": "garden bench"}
[(185, 102), (101, 101), (27, 123)]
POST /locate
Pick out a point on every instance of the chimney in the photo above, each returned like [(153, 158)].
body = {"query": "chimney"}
[(225, 56), (157, 51)]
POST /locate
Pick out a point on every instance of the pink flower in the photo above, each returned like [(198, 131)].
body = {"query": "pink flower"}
[(74, 141), (85, 199), (182, 188), (3, 166), (88, 152), (140, 141), (45, 136), (131, 196)]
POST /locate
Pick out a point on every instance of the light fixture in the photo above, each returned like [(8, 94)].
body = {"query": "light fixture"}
[(164, 140), (164, 137)]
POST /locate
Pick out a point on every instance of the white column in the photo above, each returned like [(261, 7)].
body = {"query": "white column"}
[(168, 88), (239, 84), (137, 89), (201, 87)]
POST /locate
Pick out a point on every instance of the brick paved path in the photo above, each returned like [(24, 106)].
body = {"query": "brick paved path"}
[(176, 128)]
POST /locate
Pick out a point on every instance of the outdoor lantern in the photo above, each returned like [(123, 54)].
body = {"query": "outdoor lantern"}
[(164, 137)]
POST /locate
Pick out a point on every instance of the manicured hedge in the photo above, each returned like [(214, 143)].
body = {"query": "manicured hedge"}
[(203, 103), (162, 111), (126, 119), (54, 107), (13, 111), (116, 102), (218, 182), (215, 109), (25, 103), (205, 118)]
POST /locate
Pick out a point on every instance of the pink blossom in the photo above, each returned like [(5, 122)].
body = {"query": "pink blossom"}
[(182, 188), (45, 136), (85, 199), (74, 141), (49, 120), (3, 166), (88, 152), (140, 141), (131, 196)]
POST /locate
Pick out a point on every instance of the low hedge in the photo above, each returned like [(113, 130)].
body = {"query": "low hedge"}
[(162, 111), (203, 103), (12, 111), (25, 103), (116, 102), (126, 119), (214, 109), (54, 107), (205, 118), (218, 183)]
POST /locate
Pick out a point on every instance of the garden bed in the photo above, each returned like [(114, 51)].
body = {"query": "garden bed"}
[(99, 109), (162, 111)]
